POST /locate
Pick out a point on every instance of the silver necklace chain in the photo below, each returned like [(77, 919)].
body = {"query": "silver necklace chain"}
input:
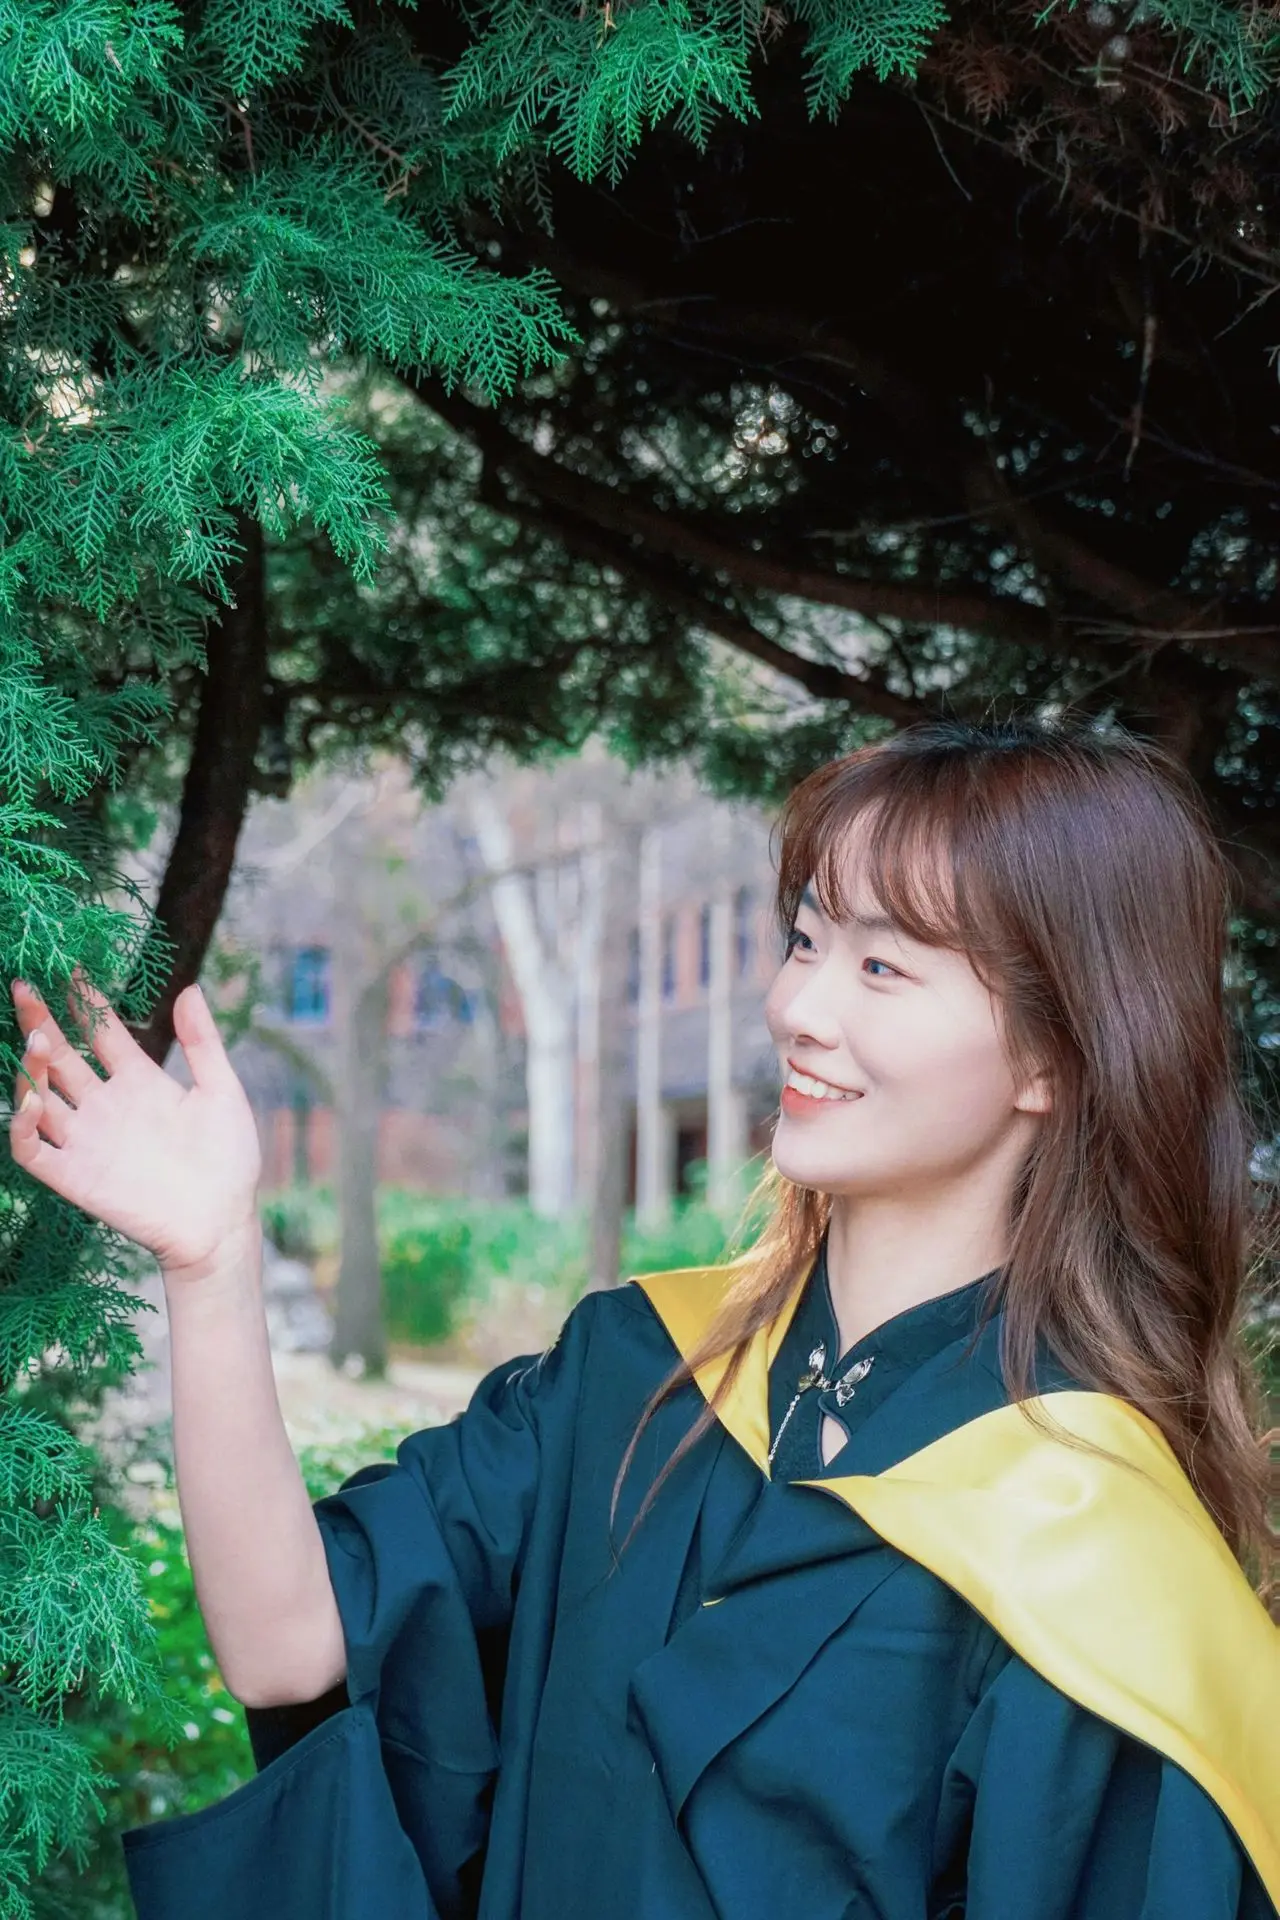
[(814, 1376)]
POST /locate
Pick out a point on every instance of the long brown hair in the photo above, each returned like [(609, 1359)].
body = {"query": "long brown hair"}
[(1088, 890)]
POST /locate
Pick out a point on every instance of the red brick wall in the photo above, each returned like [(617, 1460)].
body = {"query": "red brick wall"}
[(420, 1150), (400, 999)]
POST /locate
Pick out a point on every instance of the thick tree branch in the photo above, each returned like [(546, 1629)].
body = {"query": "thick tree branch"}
[(1149, 607), (603, 524), (617, 512), (866, 692), (218, 784)]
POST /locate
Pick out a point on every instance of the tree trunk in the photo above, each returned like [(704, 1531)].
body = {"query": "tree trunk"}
[(591, 911), (217, 788), (490, 1167), (359, 1326), (653, 1171), (361, 993), (726, 1143), (549, 1081), (546, 1002), (609, 1193)]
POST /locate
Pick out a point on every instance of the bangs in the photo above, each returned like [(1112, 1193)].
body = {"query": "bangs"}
[(918, 863)]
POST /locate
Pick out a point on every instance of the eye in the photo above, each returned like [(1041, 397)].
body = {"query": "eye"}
[(871, 961), (794, 935)]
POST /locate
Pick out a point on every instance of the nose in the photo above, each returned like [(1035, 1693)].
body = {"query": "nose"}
[(805, 1012)]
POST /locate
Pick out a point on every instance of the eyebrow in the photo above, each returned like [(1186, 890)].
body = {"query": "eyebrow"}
[(869, 922)]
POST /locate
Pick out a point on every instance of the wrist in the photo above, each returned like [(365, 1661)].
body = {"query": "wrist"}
[(232, 1260)]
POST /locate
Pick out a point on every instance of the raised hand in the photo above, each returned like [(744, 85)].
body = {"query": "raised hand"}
[(174, 1168)]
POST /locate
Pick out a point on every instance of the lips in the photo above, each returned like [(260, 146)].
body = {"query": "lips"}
[(793, 1101), (809, 1074)]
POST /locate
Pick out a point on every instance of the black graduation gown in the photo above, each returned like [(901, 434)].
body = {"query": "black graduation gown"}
[(761, 1709)]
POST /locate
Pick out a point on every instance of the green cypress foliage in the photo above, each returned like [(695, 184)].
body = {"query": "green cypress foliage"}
[(204, 211), (1234, 47), (187, 248)]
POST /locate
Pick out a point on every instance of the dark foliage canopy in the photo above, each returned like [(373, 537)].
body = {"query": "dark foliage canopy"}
[(984, 368)]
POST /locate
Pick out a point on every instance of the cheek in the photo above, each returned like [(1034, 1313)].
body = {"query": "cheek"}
[(960, 1074), (932, 1052)]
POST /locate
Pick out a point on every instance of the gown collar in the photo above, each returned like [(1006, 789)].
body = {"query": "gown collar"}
[(905, 1338), (688, 1299)]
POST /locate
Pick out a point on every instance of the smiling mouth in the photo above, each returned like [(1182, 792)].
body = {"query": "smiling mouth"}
[(806, 1088)]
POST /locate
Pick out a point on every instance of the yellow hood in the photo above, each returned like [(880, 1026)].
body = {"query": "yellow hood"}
[(1102, 1570)]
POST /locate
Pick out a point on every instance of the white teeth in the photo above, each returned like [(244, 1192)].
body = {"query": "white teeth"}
[(816, 1089)]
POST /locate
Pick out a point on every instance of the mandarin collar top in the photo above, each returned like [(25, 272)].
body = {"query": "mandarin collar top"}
[(852, 1384)]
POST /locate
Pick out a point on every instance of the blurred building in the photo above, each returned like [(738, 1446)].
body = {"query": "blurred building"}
[(327, 894)]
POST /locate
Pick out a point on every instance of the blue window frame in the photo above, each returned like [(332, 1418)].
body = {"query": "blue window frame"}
[(439, 1001), (308, 986), (669, 957), (704, 945)]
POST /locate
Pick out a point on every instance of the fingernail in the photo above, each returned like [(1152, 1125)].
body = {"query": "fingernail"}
[(26, 1100)]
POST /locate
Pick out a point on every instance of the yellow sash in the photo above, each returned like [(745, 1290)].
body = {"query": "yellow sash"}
[(1108, 1576)]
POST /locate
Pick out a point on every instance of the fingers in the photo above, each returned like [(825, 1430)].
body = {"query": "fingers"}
[(197, 1034), (31, 1084), (106, 1033), (69, 1072), (25, 1143), (37, 1111), (33, 1154), (28, 1005), (111, 1041)]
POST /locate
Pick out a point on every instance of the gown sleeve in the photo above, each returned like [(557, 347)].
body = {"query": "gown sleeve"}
[(1070, 1818), (424, 1556), (374, 1800)]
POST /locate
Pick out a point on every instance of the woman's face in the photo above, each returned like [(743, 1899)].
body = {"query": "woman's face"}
[(910, 1032)]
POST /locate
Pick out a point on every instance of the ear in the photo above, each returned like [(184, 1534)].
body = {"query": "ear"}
[(1037, 1095)]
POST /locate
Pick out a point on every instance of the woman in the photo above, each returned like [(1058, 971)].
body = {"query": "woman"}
[(902, 1567)]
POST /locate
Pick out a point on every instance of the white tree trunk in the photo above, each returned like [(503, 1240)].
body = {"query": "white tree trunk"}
[(359, 1322), (607, 925), (545, 989), (591, 910), (653, 1156), (360, 1017), (726, 1132)]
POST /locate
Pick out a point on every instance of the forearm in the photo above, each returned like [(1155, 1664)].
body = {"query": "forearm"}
[(256, 1554)]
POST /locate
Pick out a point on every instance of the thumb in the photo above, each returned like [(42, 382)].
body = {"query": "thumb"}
[(196, 1032)]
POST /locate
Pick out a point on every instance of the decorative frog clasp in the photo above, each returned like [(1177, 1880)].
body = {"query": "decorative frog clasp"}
[(814, 1377), (847, 1382)]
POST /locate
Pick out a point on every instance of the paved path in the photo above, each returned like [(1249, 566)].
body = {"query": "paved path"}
[(319, 1404)]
